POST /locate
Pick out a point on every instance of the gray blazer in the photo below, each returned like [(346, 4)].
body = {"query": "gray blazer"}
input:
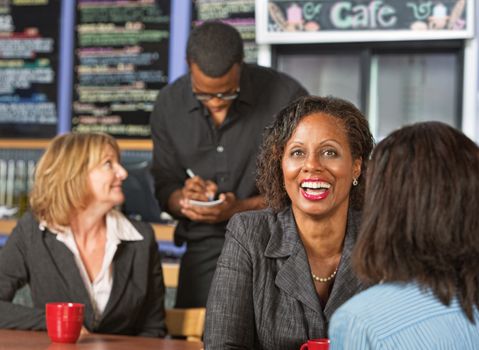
[(263, 296), (35, 257)]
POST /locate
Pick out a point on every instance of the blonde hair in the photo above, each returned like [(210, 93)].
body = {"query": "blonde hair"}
[(61, 175)]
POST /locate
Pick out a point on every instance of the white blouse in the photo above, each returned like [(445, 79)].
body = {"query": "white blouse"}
[(118, 229)]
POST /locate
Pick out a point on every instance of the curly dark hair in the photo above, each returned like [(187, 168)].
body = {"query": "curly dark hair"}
[(420, 220), (270, 179), (215, 47)]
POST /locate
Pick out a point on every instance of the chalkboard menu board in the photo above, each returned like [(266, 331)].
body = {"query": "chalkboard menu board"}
[(121, 62), (238, 13), (29, 35), (362, 20)]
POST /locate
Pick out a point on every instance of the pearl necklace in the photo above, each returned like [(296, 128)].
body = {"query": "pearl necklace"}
[(325, 279)]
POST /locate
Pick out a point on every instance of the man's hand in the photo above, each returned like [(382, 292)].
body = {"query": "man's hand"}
[(211, 215), (194, 188), (198, 189)]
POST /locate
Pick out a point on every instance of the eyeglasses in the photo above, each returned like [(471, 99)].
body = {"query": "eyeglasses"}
[(227, 96)]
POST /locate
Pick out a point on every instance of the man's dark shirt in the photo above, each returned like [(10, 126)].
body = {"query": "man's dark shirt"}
[(184, 136)]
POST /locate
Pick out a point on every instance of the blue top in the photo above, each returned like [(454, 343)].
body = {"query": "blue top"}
[(402, 316)]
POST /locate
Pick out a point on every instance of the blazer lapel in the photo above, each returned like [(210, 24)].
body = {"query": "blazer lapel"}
[(346, 283), (122, 264), (293, 278), (64, 262), (293, 274)]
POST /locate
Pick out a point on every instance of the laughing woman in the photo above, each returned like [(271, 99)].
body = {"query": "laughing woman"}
[(285, 270), (75, 247)]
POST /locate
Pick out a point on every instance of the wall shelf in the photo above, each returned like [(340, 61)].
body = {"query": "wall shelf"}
[(135, 145), (24, 143), (125, 145)]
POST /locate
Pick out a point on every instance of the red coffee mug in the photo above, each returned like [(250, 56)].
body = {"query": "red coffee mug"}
[(64, 321), (316, 344)]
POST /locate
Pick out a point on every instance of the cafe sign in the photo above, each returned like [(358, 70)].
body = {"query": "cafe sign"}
[(283, 21)]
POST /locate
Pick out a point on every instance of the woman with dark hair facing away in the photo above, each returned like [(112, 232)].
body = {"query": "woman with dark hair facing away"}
[(75, 247), (419, 242), (284, 270)]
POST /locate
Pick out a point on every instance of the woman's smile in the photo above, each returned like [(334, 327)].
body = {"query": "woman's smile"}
[(318, 168), (315, 189)]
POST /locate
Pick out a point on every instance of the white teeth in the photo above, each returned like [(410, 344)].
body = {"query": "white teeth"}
[(315, 185)]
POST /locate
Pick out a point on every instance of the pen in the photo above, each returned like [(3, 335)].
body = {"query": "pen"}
[(191, 174)]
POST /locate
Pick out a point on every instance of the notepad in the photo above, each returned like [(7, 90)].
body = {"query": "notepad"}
[(205, 203)]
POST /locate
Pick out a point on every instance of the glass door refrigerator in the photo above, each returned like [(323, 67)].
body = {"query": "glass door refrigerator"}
[(399, 61), (394, 83)]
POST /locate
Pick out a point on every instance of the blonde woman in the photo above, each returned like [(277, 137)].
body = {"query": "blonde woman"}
[(75, 247)]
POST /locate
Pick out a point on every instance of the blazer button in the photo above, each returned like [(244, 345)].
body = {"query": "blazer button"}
[(219, 149)]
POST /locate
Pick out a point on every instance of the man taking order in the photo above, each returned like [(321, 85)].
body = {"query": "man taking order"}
[(211, 121)]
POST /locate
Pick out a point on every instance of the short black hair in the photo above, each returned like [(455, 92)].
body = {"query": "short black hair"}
[(215, 47), (270, 178)]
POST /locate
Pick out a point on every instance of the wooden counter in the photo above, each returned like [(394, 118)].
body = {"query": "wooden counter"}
[(162, 232), (23, 340), (6, 226)]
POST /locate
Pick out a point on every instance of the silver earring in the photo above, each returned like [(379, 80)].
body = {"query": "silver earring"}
[(355, 182)]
